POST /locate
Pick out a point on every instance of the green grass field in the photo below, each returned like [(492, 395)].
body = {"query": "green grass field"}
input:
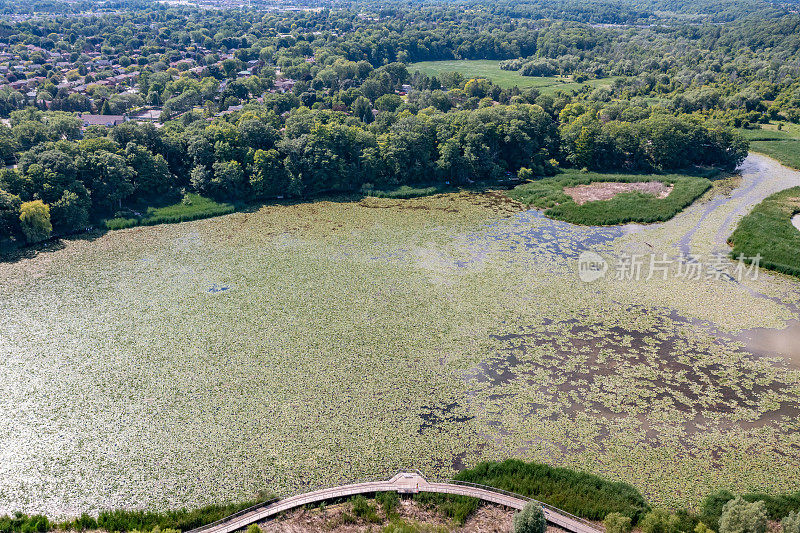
[(768, 230), (192, 207), (627, 207), (787, 152), (783, 144), (487, 68)]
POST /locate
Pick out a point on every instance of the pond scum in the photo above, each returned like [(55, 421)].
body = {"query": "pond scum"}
[(356, 339)]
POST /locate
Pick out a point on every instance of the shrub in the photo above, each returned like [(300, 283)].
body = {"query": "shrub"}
[(530, 519), (702, 528), (791, 523), (741, 516), (617, 523), (524, 174), (659, 521), (253, 528)]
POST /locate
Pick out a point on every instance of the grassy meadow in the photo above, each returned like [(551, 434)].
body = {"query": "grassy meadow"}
[(488, 68), (782, 145), (768, 230), (548, 194), (332, 341)]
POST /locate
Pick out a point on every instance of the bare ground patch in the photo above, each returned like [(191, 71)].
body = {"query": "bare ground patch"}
[(606, 190), (487, 519)]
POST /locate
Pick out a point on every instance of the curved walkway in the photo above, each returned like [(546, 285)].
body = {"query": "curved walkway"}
[(403, 483)]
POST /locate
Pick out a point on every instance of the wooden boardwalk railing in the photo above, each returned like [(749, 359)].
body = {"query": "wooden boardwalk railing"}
[(403, 483)]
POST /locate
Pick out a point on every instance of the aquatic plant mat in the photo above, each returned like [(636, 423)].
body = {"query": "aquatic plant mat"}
[(354, 339)]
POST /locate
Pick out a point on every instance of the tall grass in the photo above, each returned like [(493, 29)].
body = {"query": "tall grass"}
[(406, 191), (579, 493), (192, 207), (548, 194), (123, 521), (456, 508), (768, 230)]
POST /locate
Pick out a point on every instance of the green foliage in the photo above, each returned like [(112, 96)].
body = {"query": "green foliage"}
[(34, 220), (548, 194), (617, 523), (659, 521), (767, 230), (791, 522), (389, 502), (530, 519), (405, 191), (268, 177), (168, 521), (702, 528), (579, 493), (787, 152), (253, 528), (71, 212), (20, 523), (777, 506), (193, 207), (404, 526), (711, 507), (456, 508), (741, 516), (9, 213), (363, 510)]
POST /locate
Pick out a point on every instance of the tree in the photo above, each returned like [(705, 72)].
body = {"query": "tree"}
[(152, 176), (388, 102), (109, 178), (617, 523), (530, 519), (34, 218), (740, 516), (9, 213), (71, 212), (712, 505), (228, 180), (268, 177), (362, 109)]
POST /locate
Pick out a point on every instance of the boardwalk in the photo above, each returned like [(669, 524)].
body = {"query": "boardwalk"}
[(403, 483)]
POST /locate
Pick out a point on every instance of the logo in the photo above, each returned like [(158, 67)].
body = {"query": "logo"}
[(591, 266)]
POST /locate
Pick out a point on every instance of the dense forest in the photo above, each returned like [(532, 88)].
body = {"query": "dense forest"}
[(257, 103)]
